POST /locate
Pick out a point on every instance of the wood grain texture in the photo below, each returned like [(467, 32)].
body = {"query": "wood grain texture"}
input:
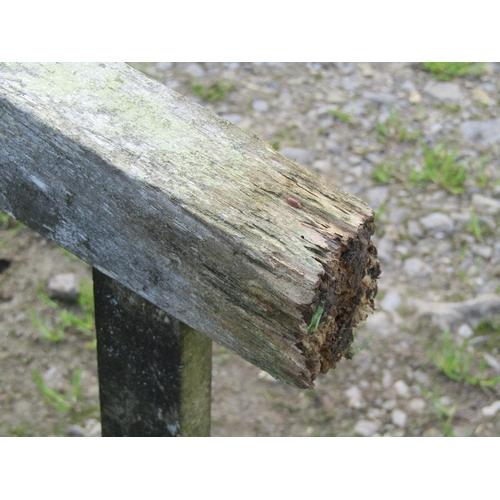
[(188, 211)]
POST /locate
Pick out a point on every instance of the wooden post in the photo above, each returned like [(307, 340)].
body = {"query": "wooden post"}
[(154, 371), (202, 219)]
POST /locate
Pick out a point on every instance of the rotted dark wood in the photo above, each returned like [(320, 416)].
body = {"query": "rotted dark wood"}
[(154, 371)]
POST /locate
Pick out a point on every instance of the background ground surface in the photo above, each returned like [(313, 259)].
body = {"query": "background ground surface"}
[(424, 153)]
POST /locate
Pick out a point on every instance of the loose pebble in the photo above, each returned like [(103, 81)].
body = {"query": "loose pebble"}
[(391, 301), (432, 432), (481, 132), (485, 205), (366, 428), (414, 97), (438, 222), (465, 331), (63, 287), (443, 91), (402, 388), (355, 397), (416, 268), (75, 431), (417, 405), (399, 417), (260, 105), (491, 410), (480, 95), (386, 379)]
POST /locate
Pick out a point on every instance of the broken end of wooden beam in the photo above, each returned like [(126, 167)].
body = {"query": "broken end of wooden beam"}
[(346, 296)]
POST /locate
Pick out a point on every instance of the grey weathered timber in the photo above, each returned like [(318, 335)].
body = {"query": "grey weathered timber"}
[(188, 211), (155, 372)]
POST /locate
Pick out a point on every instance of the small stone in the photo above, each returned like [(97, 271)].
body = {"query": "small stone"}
[(483, 251), (380, 97), (195, 70), (481, 132), (398, 417), (438, 222), (374, 413), (491, 410), (465, 331), (432, 432), (386, 379), (448, 315), (492, 362), (443, 91), (485, 205), (364, 384), (300, 155), (95, 431), (366, 427), (355, 397), (390, 404), (422, 378), (336, 97), (480, 95), (260, 105), (63, 287), (414, 96), (346, 68), (391, 301), (366, 69), (416, 268), (377, 196), (402, 388), (164, 66), (415, 230), (75, 431), (417, 405), (402, 250)]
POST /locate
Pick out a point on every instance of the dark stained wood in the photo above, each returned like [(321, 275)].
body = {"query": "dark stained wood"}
[(154, 372)]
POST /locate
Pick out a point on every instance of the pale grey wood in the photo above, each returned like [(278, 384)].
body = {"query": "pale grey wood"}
[(188, 211)]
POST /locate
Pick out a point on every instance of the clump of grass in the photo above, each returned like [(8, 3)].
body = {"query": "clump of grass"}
[(393, 129), (344, 117), (385, 173), (54, 334), (461, 364), (61, 402), (475, 227), (440, 167), (450, 70), (444, 414), (214, 92), (82, 322)]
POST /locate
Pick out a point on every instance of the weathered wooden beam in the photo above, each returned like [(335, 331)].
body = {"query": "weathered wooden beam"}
[(187, 210), (155, 372)]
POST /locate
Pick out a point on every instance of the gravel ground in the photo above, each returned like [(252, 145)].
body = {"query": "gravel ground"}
[(369, 129)]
